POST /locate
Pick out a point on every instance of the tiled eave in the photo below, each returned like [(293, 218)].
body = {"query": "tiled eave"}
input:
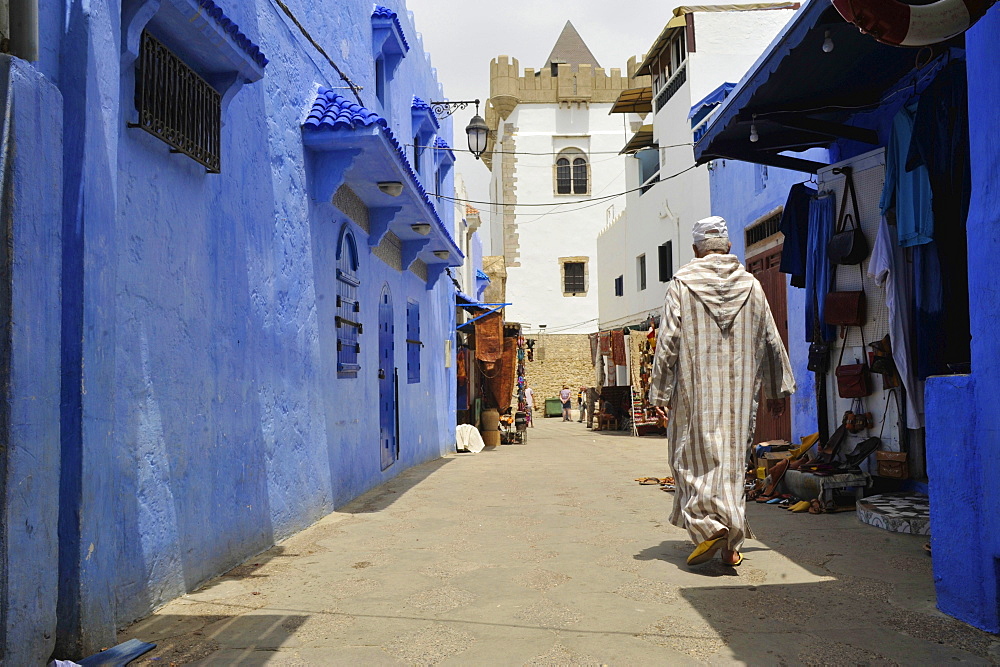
[(350, 145)]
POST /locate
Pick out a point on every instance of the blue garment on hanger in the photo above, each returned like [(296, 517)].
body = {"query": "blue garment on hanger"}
[(909, 192), (821, 221), (795, 227)]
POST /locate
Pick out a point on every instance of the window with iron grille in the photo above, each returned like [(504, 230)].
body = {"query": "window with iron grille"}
[(348, 320), (176, 105), (574, 278), (763, 229), (572, 173), (413, 343), (666, 258)]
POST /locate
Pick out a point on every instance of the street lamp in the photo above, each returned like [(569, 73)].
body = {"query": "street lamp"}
[(476, 131)]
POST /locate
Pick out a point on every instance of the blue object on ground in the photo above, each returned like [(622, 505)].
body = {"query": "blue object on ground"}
[(118, 656)]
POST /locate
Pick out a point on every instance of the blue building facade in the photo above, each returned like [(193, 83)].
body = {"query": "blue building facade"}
[(211, 345)]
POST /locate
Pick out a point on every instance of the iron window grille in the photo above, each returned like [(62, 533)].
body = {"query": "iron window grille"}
[(574, 278), (580, 176), (564, 179), (177, 106), (763, 230)]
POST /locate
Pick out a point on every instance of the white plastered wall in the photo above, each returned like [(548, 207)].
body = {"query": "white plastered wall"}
[(567, 228)]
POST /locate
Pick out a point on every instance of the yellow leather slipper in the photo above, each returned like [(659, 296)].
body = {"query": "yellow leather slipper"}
[(800, 507), (705, 551)]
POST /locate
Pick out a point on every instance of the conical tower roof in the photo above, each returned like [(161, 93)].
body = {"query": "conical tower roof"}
[(571, 49)]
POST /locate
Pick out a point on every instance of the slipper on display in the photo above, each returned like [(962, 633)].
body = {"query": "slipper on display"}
[(800, 507), (705, 551), (773, 501)]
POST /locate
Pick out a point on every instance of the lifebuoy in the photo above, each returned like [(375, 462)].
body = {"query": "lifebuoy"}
[(898, 24)]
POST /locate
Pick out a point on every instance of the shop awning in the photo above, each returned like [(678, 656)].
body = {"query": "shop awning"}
[(717, 96), (641, 139), (354, 146), (634, 100), (804, 97), (477, 308)]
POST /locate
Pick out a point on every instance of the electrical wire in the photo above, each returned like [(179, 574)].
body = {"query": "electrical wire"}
[(554, 152), (569, 203), (305, 33)]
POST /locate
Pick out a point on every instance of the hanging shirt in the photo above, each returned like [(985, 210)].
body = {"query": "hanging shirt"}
[(888, 268), (908, 192), (795, 227)]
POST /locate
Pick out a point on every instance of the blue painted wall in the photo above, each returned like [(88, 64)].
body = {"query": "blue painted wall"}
[(201, 414), (738, 197), (31, 169), (963, 413)]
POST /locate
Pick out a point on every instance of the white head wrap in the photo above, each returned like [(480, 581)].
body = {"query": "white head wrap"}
[(710, 228)]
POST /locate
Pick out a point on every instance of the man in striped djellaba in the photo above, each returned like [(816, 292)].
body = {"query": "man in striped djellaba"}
[(717, 347)]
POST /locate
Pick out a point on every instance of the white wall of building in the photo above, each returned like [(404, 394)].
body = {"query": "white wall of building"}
[(567, 228), (727, 44)]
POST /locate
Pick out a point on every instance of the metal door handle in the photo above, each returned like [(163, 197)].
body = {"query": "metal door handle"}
[(381, 374)]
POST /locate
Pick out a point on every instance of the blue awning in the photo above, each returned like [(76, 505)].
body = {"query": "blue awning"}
[(482, 276), (800, 97), (713, 98)]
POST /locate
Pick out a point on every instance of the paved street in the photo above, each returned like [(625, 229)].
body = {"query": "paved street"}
[(550, 554)]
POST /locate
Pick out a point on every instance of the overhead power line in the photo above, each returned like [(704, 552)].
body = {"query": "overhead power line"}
[(592, 200)]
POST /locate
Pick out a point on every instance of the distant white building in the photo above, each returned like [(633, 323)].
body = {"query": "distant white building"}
[(699, 51), (553, 142)]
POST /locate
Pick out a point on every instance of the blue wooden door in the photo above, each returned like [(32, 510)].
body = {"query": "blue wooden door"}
[(387, 381)]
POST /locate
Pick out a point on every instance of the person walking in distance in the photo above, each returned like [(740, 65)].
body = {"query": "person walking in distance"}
[(529, 398), (581, 403), (593, 398), (565, 395), (717, 347)]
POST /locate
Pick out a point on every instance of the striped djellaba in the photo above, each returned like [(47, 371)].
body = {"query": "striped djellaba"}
[(717, 347)]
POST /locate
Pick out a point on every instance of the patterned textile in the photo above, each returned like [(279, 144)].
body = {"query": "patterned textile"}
[(501, 383), (618, 348), (717, 346), (605, 337), (593, 347), (489, 338)]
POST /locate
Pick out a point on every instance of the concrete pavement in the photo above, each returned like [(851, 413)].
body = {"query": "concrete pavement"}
[(550, 554)]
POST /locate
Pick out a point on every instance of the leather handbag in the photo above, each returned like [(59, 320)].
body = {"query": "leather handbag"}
[(848, 244), (853, 380), (845, 308), (819, 357)]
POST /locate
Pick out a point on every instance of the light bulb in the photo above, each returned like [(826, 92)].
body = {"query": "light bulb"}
[(827, 42), (754, 137)]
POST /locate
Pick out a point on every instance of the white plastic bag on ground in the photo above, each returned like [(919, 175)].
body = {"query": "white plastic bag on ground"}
[(469, 439)]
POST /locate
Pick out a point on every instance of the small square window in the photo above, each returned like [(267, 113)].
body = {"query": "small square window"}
[(574, 278)]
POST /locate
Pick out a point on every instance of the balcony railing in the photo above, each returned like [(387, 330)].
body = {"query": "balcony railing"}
[(671, 87)]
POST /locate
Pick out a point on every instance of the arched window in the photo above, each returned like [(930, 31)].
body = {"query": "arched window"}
[(572, 173), (348, 319)]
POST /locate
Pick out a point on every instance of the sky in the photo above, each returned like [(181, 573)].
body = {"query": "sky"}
[(462, 36)]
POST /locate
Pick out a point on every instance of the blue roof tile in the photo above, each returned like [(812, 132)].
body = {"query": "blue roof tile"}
[(381, 12), (233, 30), (442, 145), (333, 111), (420, 106)]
